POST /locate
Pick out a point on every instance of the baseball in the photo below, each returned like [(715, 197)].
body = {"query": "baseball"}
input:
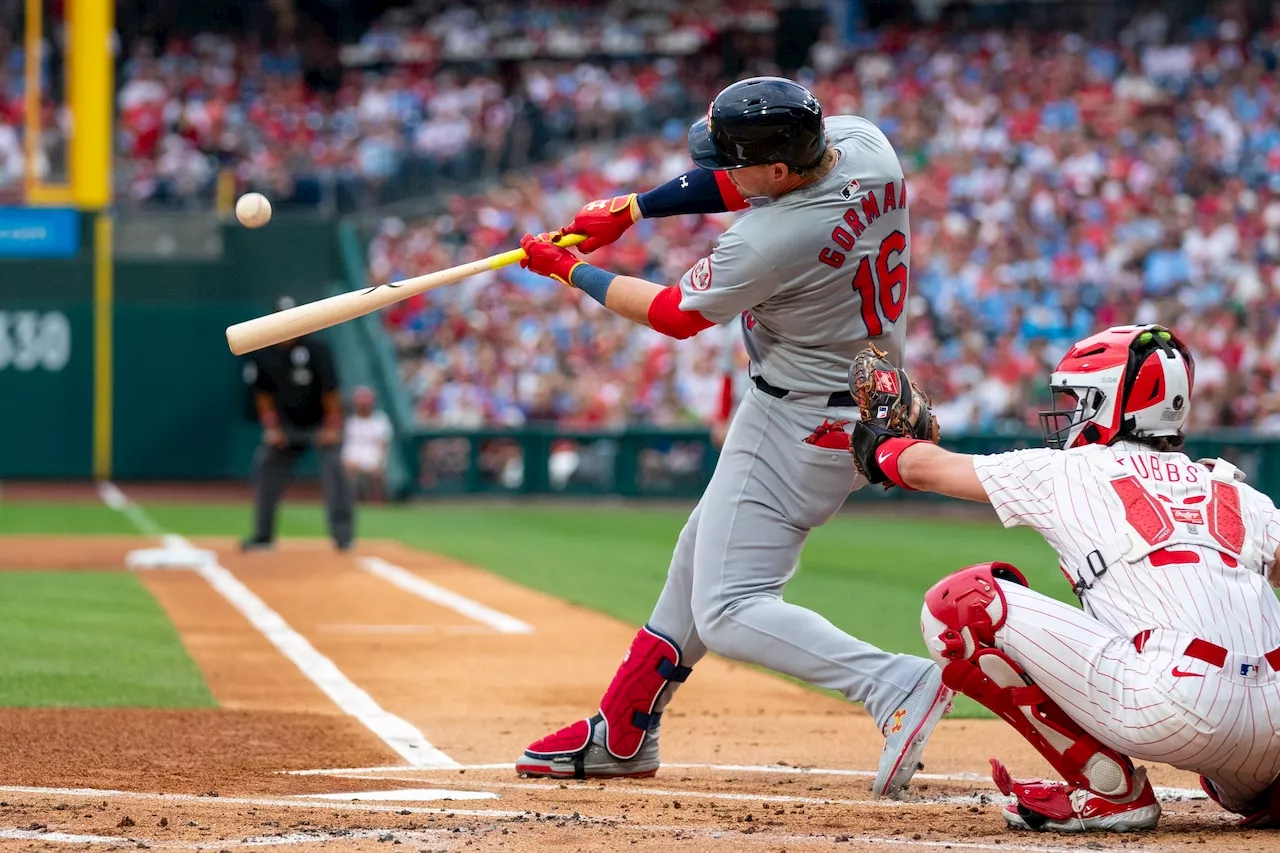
[(253, 210)]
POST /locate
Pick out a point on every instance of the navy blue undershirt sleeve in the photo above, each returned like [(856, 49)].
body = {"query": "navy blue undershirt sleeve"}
[(695, 191), (592, 281)]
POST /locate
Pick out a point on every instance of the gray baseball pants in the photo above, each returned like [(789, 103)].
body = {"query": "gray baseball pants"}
[(740, 547), (272, 471)]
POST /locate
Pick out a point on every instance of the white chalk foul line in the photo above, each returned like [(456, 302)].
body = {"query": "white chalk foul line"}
[(1164, 793), (265, 802), (59, 837), (397, 733), (730, 836), (692, 794), (283, 840), (473, 610), (115, 499)]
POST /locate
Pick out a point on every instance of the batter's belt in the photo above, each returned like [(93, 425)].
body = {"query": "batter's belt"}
[(838, 399)]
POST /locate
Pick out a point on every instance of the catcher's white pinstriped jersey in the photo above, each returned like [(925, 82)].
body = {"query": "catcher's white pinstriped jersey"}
[(1163, 551)]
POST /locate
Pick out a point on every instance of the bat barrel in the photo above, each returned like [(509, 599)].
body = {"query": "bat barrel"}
[(312, 317)]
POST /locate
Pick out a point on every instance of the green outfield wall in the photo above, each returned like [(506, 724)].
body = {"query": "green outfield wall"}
[(178, 407)]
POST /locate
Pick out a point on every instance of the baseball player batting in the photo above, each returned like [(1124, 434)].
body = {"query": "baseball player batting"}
[(814, 269), (1176, 654)]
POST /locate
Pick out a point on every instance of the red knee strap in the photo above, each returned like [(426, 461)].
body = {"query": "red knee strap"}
[(651, 663)]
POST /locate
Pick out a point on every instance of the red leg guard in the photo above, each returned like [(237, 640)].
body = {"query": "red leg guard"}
[(961, 616), (652, 661)]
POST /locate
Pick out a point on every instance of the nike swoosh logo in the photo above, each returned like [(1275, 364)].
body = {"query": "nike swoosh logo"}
[(1177, 673), (883, 456)]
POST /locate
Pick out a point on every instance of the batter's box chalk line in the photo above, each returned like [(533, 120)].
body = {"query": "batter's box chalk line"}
[(1165, 794)]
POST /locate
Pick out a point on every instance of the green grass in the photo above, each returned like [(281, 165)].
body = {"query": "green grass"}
[(84, 519), (91, 640), (866, 573)]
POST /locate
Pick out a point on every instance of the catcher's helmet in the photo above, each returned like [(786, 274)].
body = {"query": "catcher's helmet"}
[(1126, 382), (757, 121)]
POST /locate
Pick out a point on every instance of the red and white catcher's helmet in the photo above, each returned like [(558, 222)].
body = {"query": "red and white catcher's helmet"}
[(1129, 381)]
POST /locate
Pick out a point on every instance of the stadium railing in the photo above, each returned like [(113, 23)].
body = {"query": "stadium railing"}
[(649, 462)]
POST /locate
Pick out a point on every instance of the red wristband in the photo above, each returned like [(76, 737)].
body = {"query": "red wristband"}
[(887, 458)]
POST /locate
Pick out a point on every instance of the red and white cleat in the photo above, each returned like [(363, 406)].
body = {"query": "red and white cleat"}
[(580, 751), (1059, 807)]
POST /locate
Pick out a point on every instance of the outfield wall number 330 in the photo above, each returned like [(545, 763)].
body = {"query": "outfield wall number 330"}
[(30, 340)]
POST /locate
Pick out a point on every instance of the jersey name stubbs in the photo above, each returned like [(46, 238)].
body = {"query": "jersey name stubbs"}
[(892, 197)]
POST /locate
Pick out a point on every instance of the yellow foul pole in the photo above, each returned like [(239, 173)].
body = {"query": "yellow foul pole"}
[(91, 96)]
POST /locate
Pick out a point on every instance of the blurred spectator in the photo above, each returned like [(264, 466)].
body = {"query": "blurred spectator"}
[(191, 107), (366, 442)]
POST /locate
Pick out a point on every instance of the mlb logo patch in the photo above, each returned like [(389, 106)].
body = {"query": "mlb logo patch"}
[(1248, 670), (887, 381), (882, 412), (850, 190)]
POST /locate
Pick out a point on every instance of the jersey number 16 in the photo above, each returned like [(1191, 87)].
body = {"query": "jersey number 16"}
[(887, 287)]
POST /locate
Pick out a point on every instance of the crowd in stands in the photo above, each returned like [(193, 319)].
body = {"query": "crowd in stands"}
[(1058, 186), (194, 108), (511, 347), (215, 103), (555, 29)]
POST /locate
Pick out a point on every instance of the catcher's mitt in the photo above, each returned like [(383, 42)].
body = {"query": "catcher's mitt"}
[(892, 405)]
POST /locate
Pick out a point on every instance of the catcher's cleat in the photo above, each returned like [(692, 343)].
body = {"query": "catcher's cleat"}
[(578, 752), (1060, 807), (1262, 812), (907, 731)]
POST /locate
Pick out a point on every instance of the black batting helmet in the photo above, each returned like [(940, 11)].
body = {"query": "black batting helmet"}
[(757, 121)]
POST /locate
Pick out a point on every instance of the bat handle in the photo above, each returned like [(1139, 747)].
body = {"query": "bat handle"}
[(515, 256)]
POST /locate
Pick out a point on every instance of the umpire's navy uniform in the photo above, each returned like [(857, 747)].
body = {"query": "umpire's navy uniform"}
[(295, 386)]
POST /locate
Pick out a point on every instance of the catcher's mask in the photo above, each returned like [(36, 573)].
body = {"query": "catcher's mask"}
[(1126, 382)]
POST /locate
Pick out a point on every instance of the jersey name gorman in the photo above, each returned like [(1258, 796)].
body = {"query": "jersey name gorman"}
[(892, 197)]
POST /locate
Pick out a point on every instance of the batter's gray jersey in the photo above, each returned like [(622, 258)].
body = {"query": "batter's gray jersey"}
[(819, 272)]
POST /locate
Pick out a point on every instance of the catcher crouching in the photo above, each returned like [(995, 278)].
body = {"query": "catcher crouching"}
[(1176, 655)]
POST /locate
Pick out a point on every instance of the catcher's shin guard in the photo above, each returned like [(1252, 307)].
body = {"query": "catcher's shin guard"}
[(961, 616), (613, 742)]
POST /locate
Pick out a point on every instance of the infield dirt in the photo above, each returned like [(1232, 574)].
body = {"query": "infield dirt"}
[(736, 740)]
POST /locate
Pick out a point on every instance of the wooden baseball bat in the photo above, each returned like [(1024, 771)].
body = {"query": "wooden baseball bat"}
[(301, 320)]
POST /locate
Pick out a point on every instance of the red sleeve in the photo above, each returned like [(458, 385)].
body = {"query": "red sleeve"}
[(733, 199), (666, 316)]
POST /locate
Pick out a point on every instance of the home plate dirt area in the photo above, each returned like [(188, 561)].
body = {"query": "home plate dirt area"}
[(378, 699)]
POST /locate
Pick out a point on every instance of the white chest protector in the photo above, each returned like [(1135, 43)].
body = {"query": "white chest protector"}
[(1214, 518)]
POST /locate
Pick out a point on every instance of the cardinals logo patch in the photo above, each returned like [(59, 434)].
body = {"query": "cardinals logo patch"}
[(887, 382), (700, 275)]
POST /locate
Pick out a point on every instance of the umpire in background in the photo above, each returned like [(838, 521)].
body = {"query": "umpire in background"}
[(299, 404)]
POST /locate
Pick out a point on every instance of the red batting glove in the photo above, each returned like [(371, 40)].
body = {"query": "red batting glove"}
[(604, 221), (546, 258)]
